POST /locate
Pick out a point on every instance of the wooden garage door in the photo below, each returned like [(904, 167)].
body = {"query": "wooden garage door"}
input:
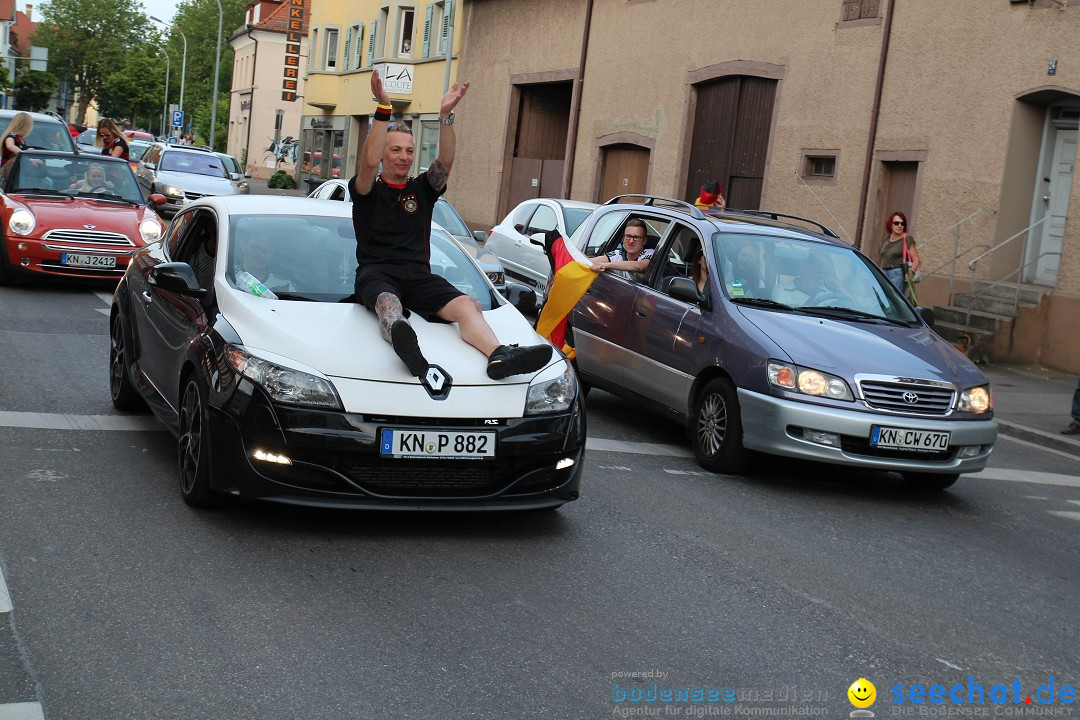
[(732, 126), (624, 171)]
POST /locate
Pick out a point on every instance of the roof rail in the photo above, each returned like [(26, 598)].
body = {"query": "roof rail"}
[(56, 115), (825, 229), (669, 203)]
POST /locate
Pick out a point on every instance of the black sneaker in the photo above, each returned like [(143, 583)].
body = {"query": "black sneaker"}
[(510, 360), (1073, 429), (403, 338)]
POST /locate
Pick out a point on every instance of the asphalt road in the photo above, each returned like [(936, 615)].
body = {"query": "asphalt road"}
[(784, 585)]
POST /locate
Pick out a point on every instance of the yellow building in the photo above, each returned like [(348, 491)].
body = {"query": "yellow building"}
[(407, 42)]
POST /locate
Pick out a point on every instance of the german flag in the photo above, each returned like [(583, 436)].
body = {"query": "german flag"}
[(572, 277)]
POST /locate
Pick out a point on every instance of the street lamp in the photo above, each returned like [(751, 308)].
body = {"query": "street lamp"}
[(217, 63), (183, 69), (165, 107)]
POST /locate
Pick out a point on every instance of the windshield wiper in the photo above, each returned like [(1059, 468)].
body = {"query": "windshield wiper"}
[(282, 295), (834, 310), (761, 302), (39, 191), (112, 197)]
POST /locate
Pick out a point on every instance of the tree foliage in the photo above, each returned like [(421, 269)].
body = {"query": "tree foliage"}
[(88, 39), (34, 89), (136, 90)]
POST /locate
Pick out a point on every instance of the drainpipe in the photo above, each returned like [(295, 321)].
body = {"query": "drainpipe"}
[(251, 108), (575, 104), (874, 114)]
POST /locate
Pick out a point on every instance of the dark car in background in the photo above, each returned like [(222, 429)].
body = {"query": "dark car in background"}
[(797, 346)]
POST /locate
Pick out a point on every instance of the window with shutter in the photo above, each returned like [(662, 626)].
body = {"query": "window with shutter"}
[(348, 44), (371, 42), (860, 12), (331, 49), (427, 30), (445, 31), (312, 61), (358, 33)]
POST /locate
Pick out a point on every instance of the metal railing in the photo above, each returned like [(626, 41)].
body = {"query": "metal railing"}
[(973, 265), (956, 226)]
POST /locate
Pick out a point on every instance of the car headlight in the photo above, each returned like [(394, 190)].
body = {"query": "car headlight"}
[(171, 191), (496, 278), (283, 384), (550, 396), (242, 185), (150, 230), (807, 381), (975, 400), (22, 222)]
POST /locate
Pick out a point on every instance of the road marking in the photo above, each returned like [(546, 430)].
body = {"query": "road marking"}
[(1065, 514), (1025, 476), (1037, 446), (637, 448), (22, 711), (63, 421), (104, 297), (5, 596), (949, 664), (1053, 436)]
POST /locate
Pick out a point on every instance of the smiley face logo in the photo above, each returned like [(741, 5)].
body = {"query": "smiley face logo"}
[(862, 693)]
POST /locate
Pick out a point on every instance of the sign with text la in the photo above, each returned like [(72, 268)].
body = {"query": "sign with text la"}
[(397, 79), (293, 34)]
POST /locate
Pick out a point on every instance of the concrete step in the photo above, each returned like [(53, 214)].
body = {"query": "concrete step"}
[(962, 335), (988, 304), (975, 319), (1029, 294)]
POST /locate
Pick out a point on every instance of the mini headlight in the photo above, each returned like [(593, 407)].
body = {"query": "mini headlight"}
[(808, 381), (975, 400), (22, 222), (550, 396), (284, 384), (150, 230)]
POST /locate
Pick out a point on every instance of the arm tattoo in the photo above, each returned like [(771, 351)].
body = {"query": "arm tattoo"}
[(437, 175)]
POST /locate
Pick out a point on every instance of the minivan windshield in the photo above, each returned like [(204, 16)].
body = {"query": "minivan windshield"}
[(785, 274)]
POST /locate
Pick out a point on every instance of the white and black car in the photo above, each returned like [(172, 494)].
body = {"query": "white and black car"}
[(293, 396)]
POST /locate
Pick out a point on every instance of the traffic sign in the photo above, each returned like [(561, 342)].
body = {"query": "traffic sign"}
[(178, 118)]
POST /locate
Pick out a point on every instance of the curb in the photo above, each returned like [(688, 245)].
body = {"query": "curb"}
[(1060, 443)]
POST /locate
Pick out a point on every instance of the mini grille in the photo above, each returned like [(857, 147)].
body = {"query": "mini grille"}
[(89, 237), (909, 398)]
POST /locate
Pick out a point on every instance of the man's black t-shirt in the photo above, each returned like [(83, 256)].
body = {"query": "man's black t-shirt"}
[(393, 224)]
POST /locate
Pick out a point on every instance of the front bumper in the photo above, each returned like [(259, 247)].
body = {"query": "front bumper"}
[(336, 461), (776, 425), (33, 256)]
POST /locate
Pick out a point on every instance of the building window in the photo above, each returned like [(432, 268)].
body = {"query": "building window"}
[(358, 44), (345, 57), (312, 63), (406, 21), (860, 9), (330, 61), (818, 167), (379, 31), (443, 11)]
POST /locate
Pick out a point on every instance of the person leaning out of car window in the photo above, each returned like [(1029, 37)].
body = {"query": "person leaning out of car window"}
[(12, 142), (632, 256), (111, 140)]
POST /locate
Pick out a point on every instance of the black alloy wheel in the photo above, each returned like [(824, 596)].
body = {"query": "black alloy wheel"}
[(716, 432), (124, 395), (193, 447)]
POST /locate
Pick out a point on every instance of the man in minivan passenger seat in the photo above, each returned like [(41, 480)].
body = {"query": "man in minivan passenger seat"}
[(633, 256)]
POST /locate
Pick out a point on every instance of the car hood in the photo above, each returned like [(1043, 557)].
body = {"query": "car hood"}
[(849, 348), (192, 182), (342, 340), (57, 213)]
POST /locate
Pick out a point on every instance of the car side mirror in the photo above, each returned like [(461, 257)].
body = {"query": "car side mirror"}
[(685, 289), (176, 277), (235, 176), (157, 199), (149, 166), (480, 236), (521, 296), (927, 314), (247, 174), (538, 239)]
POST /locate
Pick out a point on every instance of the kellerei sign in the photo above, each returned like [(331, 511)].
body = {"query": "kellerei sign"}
[(292, 50)]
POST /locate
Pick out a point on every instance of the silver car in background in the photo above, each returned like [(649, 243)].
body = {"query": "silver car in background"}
[(183, 173)]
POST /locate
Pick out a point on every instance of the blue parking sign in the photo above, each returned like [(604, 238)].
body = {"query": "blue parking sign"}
[(178, 118)]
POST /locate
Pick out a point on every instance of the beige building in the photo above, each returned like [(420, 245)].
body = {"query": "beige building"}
[(269, 53), (962, 114), (407, 41)]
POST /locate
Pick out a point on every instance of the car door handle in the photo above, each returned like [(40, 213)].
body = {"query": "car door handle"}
[(640, 313), (147, 298)]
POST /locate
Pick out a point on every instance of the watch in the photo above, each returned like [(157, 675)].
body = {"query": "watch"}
[(447, 120)]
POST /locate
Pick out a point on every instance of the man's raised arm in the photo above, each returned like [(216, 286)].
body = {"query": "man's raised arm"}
[(371, 154), (440, 168)]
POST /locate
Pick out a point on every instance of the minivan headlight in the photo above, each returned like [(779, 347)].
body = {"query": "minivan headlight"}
[(22, 222), (551, 396), (283, 384), (808, 381), (975, 400)]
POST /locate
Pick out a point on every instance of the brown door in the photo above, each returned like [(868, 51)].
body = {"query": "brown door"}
[(536, 164), (625, 168), (898, 193), (732, 127)]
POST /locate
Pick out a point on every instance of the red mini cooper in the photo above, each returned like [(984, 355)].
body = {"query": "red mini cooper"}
[(68, 215)]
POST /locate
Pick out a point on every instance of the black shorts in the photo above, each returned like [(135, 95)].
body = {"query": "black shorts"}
[(419, 289)]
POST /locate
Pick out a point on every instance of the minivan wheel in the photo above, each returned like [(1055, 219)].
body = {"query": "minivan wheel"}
[(193, 447), (929, 481), (716, 433)]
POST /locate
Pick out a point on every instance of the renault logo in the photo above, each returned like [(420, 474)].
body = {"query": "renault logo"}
[(437, 382), (911, 398)]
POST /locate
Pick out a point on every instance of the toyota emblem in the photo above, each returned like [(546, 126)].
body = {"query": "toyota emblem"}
[(89, 227), (911, 398)]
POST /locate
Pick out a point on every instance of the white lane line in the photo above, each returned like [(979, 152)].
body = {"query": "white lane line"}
[(1065, 514), (1037, 446), (63, 421), (22, 711), (637, 448), (1025, 476), (104, 297), (1053, 436), (5, 596), (949, 664)]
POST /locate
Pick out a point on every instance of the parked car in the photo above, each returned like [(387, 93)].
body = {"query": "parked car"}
[(48, 133), (236, 173), (445, 215), (69, 215), (293, 396), (522, 255), (136, 149), (85, 141), (183, 173), (798, 346), (138, 135)]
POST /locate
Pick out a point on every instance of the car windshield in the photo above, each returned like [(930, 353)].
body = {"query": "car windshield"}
[(75, 175), (49, 136), (446, 216), (193, 162), (313, 257), (814, 277), (87, 137), (574, 218), (136, 150)]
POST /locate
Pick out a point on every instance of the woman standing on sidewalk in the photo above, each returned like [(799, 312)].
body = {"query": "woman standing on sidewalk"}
[(898, 253)]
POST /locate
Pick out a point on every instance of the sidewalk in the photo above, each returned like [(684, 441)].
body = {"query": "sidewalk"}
[(1033, 404), (258, 187)]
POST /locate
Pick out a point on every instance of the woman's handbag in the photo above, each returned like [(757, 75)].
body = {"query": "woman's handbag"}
[(910, 278)]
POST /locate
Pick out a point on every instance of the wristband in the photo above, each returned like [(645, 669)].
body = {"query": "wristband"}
[(388, 108), (382, 114)]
